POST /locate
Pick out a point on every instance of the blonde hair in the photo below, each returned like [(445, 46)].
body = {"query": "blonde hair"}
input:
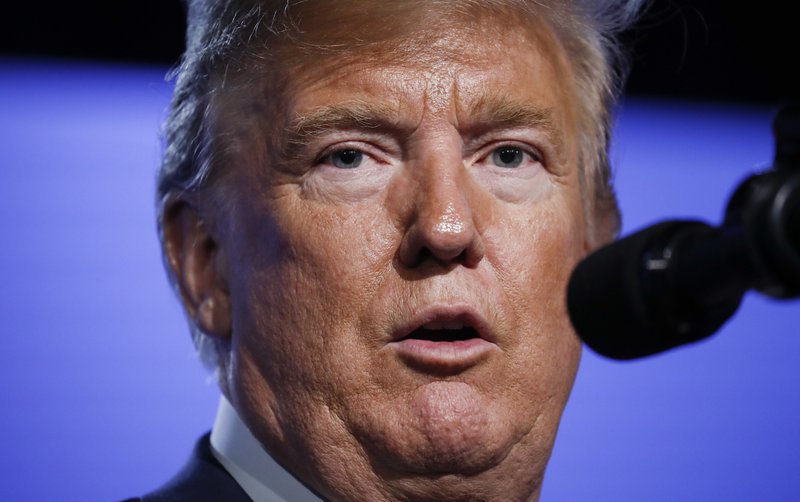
[(230, 36)]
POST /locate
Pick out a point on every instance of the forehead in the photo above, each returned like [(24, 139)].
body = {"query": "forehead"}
[(456, 68), (441, 63)]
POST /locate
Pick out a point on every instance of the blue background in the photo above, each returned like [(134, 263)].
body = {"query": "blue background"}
[(102, 397)]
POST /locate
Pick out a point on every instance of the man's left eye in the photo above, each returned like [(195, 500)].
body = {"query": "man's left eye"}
[(346, 159), (508, 156)]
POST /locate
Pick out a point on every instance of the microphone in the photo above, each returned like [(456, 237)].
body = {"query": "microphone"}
[(678, 282), (664, 286)]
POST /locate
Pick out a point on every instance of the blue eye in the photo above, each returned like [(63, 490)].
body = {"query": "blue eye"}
[(346, 159), (508, 156)]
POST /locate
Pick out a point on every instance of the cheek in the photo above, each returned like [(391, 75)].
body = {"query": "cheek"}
[(535, 251), (535, 255), (307, 277), (341, 253)]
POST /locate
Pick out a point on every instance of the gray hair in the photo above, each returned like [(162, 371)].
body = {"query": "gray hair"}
[(227, 35)]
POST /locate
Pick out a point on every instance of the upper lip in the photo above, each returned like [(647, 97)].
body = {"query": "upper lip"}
[(463, 314)]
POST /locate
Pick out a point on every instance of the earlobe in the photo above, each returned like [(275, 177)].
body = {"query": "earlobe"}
[(213, 315), (197, 263)]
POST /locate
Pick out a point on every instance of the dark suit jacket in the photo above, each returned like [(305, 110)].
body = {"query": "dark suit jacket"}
[(203, 479)]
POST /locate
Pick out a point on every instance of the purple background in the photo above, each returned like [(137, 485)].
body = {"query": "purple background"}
[(102, 397)]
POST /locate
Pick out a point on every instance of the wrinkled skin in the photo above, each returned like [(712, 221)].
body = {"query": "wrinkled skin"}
[(316, 263)]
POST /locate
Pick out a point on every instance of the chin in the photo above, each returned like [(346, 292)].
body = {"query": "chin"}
[(440, 428)]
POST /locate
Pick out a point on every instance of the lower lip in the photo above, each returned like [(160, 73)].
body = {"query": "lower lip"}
[(448, 357)]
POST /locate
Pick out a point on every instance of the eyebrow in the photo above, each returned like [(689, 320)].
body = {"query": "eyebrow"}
[(354, 115), (503, 112), (489, 113)]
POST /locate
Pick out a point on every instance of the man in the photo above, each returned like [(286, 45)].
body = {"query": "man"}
[(370, 210)]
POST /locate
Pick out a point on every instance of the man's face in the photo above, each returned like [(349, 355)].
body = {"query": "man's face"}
[(397, 272)]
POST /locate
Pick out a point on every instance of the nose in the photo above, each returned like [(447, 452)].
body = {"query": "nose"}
[(444, 224)]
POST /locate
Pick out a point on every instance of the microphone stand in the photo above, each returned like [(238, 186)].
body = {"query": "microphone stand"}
[(766, 207), (679, 281)]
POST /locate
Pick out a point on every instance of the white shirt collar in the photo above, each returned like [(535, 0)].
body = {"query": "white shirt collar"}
[(259, 475)]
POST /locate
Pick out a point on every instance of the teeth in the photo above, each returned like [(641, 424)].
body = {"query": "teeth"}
[(440, 325)]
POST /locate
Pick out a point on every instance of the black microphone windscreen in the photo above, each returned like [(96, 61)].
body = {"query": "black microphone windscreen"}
[(622, 299)]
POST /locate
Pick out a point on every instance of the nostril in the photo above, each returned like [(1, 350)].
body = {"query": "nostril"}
[(424, 254)]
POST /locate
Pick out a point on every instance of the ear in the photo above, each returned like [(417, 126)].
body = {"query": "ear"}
[(605, 223), (198, 266)]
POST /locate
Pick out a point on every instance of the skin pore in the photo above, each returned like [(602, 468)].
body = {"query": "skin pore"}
[(392, 194)]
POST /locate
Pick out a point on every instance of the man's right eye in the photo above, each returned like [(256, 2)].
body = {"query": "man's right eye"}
[(346, 159)]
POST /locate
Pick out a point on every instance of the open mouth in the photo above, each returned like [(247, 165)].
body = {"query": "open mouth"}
[(445, 325), (442, 341), (444, 334)]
